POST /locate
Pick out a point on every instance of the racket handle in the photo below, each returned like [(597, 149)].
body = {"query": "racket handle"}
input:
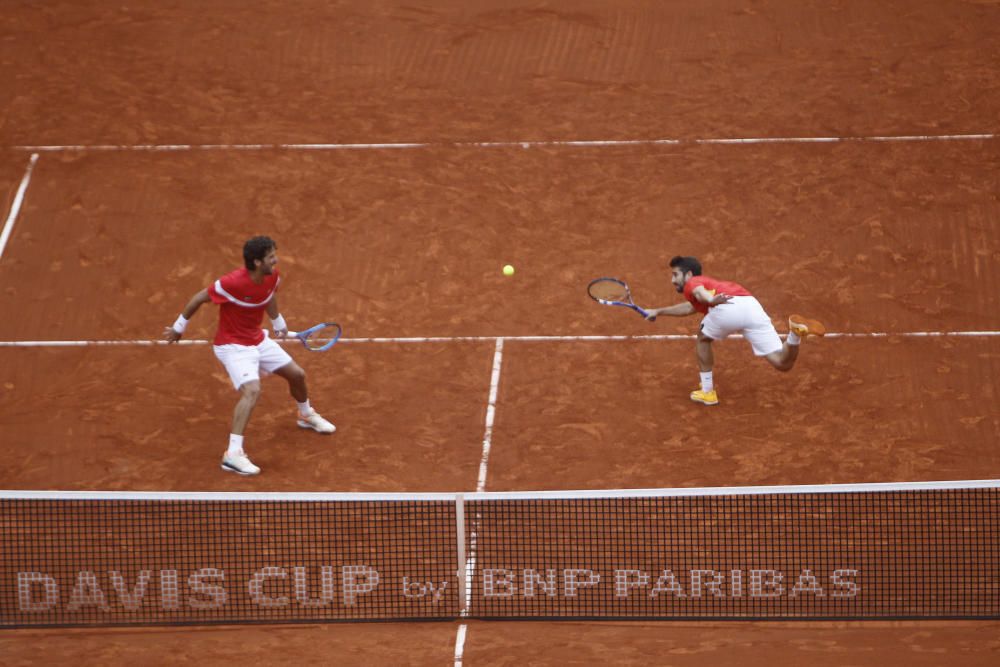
[(643, 312)]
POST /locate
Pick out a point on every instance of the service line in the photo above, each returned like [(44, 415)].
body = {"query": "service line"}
[(567, 143), (15, 207), (405, 340)]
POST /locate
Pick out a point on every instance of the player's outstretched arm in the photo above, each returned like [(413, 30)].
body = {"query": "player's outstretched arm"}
[(173, 333), (677, 310)]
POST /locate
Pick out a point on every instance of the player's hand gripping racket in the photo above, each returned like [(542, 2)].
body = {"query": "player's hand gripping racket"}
[(314, 341), (614, 292)]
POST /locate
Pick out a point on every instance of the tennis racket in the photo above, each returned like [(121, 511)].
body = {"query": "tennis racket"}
[(614, 292), (319, 343)]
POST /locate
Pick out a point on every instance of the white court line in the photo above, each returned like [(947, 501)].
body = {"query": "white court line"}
[(580, 143), (470, 565), (491, 410), (15, 207), (460, 645), (497, 339), (469, 572), (497, 496)]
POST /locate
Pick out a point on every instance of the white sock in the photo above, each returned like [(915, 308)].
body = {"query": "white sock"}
[(793, 338), (706, 382), (304, 408), (235, 444)]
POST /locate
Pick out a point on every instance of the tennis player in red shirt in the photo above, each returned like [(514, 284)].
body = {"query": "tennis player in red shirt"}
[(730, 308), (245, 349)]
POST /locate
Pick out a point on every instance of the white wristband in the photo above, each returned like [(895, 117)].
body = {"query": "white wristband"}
[(180, 324), (278, 323)]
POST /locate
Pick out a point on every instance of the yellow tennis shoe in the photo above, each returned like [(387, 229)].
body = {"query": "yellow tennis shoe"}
[(803, 326), (705, 397)]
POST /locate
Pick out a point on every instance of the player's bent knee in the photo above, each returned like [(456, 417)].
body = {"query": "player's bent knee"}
[(778, 360), (250, 390), (292, 372)]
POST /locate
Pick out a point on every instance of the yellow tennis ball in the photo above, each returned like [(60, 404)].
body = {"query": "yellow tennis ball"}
[(508, 270)]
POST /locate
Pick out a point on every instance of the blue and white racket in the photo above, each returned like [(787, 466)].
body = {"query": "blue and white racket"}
[(614, 292), (319, 343)]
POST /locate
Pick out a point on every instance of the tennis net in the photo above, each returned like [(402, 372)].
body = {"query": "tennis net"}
[(874, 551)]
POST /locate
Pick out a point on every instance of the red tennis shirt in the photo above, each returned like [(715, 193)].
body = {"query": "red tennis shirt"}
[(242, 304), (714, 287)]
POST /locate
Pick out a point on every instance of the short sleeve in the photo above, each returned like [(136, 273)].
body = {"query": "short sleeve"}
[(213, 292)]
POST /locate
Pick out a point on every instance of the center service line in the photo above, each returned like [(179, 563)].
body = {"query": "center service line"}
[(468, 574), (491, 408), (460, 645)]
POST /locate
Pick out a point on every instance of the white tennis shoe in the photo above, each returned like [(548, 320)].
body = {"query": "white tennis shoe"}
[(315, 422), (239, 463)]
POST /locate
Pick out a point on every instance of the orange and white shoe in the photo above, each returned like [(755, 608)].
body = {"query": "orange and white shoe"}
[(803, 326), (314, 421), (705, 397)]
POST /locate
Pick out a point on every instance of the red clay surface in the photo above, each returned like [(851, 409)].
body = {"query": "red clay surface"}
[(94, 418), (376, 644), (925, 644), (629, 425), (12, 167), (869, 237), (493, 69), (409, 243), (857, 410)]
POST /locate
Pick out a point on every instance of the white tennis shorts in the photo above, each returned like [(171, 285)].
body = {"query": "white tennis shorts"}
[(745, 315), (244, 363)]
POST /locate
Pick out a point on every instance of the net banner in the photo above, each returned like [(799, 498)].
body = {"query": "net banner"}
[(96, 562), (870, 555), (922, 550)]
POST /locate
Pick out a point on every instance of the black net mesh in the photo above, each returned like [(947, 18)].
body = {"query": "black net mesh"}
[(930, 553), (839, 555), (154, 561)]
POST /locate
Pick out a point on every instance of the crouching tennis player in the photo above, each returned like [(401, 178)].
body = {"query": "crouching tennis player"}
[(730, 308), (245, 349)]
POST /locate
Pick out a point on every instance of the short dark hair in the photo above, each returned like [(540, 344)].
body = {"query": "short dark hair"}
[(686, 264), (257, 248)]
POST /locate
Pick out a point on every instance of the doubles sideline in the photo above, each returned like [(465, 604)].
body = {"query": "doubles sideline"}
[(15, 206)]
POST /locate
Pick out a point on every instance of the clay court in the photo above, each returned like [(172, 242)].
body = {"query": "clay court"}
[(401, 154)]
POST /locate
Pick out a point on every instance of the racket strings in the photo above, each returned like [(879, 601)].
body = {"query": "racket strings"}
[(320, 337), (609, 290), (314, 342)]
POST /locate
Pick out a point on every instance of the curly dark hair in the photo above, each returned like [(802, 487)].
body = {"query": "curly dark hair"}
[(257, 248), (686, 264)]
